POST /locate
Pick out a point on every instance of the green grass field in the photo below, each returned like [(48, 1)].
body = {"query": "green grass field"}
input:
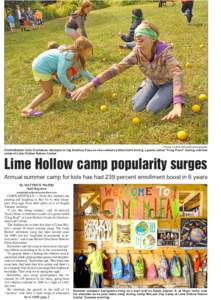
[(68, 122)]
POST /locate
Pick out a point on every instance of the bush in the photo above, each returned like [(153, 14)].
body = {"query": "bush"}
[(129, 2)]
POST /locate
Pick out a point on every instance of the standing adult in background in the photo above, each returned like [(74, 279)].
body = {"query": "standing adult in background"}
[(19, 17), (187, 7), (77, 20)]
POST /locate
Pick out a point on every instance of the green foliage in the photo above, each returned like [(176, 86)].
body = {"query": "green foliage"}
[(129, 2), (82, 122), (51, 10)]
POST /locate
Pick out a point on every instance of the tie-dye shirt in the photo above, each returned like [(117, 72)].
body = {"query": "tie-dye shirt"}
[(163, 69)]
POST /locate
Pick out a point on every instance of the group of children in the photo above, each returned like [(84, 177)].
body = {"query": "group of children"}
[(162, 87), (26, 18)]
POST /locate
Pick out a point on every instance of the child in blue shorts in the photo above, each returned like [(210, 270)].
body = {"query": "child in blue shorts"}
[(11, 22)]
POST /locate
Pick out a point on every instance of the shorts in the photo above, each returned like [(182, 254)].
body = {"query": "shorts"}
[(39, 22), (40, 76), (26, 23), (21, 22), (31, 22), (12, 25), (69, 30)]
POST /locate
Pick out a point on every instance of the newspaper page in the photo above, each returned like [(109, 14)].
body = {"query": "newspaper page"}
[(108, 169)]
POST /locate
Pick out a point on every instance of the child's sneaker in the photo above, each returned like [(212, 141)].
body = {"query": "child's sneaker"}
[(31, 113), (122, 46), (67, 95)]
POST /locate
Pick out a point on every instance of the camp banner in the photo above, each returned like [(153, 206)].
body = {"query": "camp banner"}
[(122, 233), (144, 234), (137, 203)]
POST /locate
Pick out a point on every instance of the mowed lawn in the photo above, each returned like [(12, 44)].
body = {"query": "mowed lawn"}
[(82, 122)]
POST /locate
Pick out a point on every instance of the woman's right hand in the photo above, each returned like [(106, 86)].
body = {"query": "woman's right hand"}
[(80, 92)]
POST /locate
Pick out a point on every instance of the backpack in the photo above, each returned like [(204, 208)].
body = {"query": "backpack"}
[(107, 268), (175, 266), (152, 272), (81, 276), (197, 262), (129, 274), (163, 268), (117, 268), (188, 271), (139, 268)]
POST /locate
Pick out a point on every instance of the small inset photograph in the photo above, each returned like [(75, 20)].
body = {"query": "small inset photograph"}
[(106, 72), (140, 236)]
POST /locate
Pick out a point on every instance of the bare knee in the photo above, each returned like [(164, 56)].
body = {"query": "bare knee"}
[(48, 93)]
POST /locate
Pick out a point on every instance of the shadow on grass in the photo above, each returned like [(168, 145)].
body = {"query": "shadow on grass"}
[(64, 105), (197, 24)]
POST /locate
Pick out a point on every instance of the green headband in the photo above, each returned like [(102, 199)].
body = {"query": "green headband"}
[(135, 18), (147, 32)]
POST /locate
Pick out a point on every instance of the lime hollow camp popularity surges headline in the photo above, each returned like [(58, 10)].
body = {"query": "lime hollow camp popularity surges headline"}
[(103, 165)]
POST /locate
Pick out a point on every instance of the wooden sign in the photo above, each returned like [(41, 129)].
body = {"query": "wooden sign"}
[(98, 230), (137, 203)]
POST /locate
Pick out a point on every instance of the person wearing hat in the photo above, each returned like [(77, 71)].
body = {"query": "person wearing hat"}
[(163, 84), (137, 17)]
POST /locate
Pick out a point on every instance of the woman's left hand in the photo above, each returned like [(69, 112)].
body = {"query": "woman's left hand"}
[(174, 113)]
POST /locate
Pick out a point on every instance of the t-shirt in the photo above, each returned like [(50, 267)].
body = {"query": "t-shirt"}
[(95, 260), (19, 14), (10, 19), (38, 15)]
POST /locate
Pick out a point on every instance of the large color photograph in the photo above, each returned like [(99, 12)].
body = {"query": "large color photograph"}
[(120, 244), (106, 72)]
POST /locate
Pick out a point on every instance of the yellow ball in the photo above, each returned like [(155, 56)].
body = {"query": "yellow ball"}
[(196, 108), (188, 65), (103, 108), (202, 97), (182, 135), (172, 44), (114, 95), (136, 120), (201, 46)]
